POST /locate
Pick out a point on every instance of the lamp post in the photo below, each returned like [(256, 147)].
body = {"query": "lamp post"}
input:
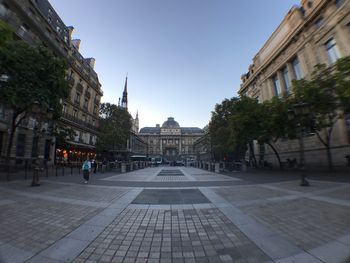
[(295, 114), (41, 113)]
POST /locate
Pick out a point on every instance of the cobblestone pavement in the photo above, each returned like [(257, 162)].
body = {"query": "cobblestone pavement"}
[(65, 220)]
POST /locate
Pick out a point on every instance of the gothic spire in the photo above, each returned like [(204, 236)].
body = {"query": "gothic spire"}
[(125, 94)]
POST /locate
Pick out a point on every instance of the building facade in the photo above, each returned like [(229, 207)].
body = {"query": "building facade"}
[(316, 32), (37, 23), (171, 141)]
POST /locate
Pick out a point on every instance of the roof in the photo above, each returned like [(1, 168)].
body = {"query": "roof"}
[(185, 130), (171, 123), (150, 130), (190, 130)]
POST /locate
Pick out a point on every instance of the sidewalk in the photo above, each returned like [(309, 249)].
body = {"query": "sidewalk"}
[(65, 220)]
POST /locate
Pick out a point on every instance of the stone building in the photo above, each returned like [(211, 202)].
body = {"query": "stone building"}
[(171, 141), (317, 31), (37, 23)]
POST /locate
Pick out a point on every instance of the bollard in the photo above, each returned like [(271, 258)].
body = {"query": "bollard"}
[(217, 167), (56, 170), (25, 170), (63, 170), (123, 168), (71, 170)]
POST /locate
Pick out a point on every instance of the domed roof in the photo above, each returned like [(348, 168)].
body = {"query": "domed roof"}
[(170, 123)]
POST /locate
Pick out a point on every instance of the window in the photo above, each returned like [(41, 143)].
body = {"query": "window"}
[(2, 112), (75, 113), (84, 117), (276, 85), (93, 122), (1, 141), (332, 50), (3, 9), (64, 108), (297, 70), (77, 97), (35, 146), (86, 102), (319, 22), (347, 119), (286, 80), (339, 2), (20, 146)]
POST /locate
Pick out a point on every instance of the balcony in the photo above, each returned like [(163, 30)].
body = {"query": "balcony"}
[(78, 121), (96, 101)]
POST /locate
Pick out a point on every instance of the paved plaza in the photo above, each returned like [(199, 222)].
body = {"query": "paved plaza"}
[(174, 214)]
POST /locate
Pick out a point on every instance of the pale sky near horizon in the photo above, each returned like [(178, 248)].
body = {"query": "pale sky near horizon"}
[(182, 56)]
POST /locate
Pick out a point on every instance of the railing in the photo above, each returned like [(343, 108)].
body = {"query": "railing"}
[(79, 121)]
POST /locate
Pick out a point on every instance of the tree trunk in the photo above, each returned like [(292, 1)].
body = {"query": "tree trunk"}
[(329, 158), (252, 154), (9, 145), (277, 155), (11, 135)]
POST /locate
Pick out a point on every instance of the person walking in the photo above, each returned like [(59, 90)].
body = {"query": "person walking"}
[(86, 170)]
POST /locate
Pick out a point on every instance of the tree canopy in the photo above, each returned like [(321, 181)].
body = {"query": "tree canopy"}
[(115, 126), (29, 75)]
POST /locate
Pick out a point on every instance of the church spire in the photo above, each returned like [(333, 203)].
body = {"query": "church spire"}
[(125, 94)]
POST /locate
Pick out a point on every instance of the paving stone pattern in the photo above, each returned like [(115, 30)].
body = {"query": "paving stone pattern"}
[(240, 193), (165, 172), (170, 196), (35, 224), (140, 235), (308, 223)]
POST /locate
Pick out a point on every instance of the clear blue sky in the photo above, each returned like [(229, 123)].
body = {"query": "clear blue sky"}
[(182, 56)]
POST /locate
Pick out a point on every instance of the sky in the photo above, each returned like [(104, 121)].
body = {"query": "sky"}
[(181, 56)]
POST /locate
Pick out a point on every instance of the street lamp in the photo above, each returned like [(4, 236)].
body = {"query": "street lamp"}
[(295, 114), (41, 113)]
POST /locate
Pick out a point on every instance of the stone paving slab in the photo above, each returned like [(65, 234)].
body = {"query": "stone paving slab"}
[(249, 192), (173, 196), (197, 235), (308, 223), (342, 194), (34, 224)]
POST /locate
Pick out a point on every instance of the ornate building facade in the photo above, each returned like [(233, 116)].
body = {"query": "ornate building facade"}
[(37, 23), (317, 31), (171, 141)]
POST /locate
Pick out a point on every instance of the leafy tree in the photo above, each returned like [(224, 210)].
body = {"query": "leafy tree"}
[(29, 75), (220, 134), (115, 126), (245, 124), (327, 93), (274, 124)]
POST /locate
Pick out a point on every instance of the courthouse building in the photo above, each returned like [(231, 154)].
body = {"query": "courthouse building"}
[(37, 23), (171, 141), (317, 31)]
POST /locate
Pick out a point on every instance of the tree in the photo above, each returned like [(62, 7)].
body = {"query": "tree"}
[(327, 94), (245, 124), (115, 126), (220, 133), (274, 124), (29, 75)]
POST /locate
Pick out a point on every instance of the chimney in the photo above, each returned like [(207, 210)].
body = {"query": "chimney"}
[(157, 126), (70, 31), (76, 43), (91, 62)]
